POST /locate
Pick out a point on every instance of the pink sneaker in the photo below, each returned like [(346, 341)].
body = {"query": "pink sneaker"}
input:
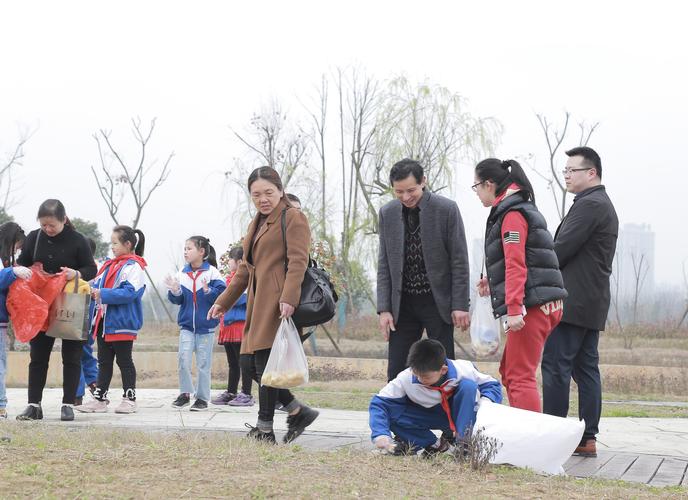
[(242, 399), (94, 406), (126, 406)]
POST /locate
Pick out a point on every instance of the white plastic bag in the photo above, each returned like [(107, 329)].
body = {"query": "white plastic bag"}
[(484, 329), (287, 366), (529, 439)]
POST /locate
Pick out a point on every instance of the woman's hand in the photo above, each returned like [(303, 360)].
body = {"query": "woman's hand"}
[(286, 310), (95, 293), (69, 272), (22, 272), (515, 323), (483, 287), (216, 312)]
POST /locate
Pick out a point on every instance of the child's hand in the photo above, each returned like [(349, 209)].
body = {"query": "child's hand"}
[(384, 443), (172, 284), (204, 284), (22, 272), (483, 287), (95, 293), (515, 323), (216, 312)]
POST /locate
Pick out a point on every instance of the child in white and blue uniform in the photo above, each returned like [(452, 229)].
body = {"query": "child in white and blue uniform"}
[(194, 290), (434, 393)]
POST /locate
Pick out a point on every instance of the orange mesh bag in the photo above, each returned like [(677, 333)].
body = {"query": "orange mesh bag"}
[(28, 301)]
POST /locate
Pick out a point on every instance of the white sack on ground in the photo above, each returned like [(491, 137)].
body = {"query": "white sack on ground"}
[(529, 439)]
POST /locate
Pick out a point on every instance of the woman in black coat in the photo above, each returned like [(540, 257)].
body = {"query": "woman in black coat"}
[(59, 247)]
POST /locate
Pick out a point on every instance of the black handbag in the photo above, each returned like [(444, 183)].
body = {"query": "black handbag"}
[(318, 297)]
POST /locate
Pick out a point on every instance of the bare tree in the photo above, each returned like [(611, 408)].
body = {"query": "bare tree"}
[(14, 159), (615, 290), (319, 123), (119, 177), (275, 143), (125, 177), (554, 137), (685, 288), (640, 270)]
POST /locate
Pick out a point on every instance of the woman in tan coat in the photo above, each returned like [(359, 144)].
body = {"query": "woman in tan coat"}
[(273, 294)]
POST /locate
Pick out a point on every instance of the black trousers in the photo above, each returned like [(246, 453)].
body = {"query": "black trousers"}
[(417, 313), (571, 351), (267, 396), (236, 370), (41, 347), (119, 351)]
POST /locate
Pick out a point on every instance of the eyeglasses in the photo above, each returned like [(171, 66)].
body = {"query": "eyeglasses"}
[(569, 171), (474, 187)]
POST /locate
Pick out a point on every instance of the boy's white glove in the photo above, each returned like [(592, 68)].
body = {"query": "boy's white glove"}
[(172, 284), (384, 443), (22, 272)]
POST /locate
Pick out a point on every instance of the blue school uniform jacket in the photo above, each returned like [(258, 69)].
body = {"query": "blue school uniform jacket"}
[(236, 313), (389, 404), (122, 307), (194, 302), (7, 277)]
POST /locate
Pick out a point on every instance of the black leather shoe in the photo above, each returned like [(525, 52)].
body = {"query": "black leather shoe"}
[(258, 435), (67, 413), (31, 413)]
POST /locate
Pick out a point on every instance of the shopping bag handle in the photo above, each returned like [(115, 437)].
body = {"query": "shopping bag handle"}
[(76, 282)]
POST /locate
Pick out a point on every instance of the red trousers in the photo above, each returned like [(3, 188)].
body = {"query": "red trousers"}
[(523, 352)]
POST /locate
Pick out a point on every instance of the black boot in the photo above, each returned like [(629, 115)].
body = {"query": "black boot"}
[(258, 435), (296, 424), (31, 412), (67, 413)]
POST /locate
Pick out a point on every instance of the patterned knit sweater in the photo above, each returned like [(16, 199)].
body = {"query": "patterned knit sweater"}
[(415, 281)]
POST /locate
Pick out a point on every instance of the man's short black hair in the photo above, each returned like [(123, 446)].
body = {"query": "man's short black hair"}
[(426, 355), (402, 169), (590, 158)]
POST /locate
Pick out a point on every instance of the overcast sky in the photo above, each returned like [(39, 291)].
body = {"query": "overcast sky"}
[(70, 68)]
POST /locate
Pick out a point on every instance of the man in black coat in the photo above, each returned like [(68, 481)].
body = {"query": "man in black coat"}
[(585, 243), (423, 273)]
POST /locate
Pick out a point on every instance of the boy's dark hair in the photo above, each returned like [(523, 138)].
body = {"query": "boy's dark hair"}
[(590, 158), (92, 245), (426, 355), (402, 169), (236, 253), (294, 198), (503, 174), (10, 234), (203, 243), (133, 236)]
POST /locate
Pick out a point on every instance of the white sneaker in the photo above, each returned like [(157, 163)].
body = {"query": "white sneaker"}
[(126, 406), (93, 406)]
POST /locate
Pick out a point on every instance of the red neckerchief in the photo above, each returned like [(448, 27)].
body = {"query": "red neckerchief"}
[(513, 188), (194, 275), (443, 390), (112, 267)]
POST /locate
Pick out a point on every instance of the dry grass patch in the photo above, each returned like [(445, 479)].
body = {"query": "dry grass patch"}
[(50, 462)]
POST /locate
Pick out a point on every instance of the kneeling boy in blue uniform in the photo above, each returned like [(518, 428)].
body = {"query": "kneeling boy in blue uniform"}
[(434, 393)]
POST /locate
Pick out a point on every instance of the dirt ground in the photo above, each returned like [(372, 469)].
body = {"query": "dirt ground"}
[(44, 461)]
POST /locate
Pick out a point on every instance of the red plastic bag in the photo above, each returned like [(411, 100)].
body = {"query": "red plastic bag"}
[(28, 301)]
